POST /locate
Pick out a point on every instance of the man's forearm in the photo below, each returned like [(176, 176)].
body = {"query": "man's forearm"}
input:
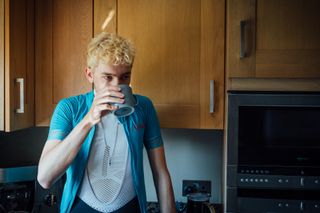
[(165, 194), (55, 161)]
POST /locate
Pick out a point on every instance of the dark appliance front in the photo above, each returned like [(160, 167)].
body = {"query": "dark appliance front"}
[(273, 162), (21, 193)]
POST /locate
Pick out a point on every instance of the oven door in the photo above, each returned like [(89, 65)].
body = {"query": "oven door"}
[(17, 197), (279, 135)]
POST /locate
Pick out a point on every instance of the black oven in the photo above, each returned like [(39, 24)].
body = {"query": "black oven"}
[(17, 189), (21, 193), (287, 135), (273, 152)]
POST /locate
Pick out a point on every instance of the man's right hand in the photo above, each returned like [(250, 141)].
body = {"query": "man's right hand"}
[(102, 103)]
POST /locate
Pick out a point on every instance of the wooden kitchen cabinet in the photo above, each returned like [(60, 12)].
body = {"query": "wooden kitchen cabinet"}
[(273, 39), (16, 64), (180, 52), (63, 30)]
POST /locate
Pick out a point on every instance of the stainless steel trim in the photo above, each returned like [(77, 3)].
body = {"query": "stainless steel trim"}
[(211, 96), (21, 107), (18, 174)]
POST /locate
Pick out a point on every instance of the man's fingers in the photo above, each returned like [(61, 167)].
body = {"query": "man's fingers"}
[(103, 107), (99, 110), (109, 100), (109, 91)]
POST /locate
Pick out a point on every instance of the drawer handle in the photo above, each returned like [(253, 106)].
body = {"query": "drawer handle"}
[(243, 43), (20, 81)]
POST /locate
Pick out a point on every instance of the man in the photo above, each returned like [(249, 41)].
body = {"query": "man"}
[(102, 154)]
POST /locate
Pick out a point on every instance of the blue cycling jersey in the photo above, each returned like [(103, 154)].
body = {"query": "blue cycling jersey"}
[(142, 130)]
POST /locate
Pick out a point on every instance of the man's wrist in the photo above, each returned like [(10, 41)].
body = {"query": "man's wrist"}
[(88, 122)]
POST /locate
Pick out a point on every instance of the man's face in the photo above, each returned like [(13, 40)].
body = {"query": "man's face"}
[(104, 75)]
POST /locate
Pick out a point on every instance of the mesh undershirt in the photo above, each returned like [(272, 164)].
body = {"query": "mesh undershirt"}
[(107, 183)]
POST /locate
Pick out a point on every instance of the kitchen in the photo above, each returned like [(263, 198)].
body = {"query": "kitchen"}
[(194, 51)]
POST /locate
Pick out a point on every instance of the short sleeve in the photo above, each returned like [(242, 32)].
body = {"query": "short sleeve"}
[(61, 121), (152, 136)]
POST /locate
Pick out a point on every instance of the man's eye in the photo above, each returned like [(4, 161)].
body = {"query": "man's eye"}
[(126, 77), (108, 77)]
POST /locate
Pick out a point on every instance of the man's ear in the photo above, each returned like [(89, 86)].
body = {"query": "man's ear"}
[(89, 74)]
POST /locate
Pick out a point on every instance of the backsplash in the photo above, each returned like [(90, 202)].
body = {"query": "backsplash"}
[(191, 155)]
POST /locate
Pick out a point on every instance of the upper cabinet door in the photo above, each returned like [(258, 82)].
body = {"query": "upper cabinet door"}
[(180, 58), (273, 38), (63, 31), (16, 64)]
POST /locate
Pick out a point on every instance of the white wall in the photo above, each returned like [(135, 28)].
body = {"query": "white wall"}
[(191, 155)]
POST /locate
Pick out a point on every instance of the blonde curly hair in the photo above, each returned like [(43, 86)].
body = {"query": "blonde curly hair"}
[(112, 49)]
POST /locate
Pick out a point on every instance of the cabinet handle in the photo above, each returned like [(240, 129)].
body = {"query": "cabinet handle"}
[(21, 85), (211, 96), (243, 26)]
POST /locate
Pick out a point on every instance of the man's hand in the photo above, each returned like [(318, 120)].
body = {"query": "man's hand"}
[(102, 103)]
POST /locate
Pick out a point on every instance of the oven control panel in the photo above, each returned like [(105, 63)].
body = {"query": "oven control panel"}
[(247, 204), (278, 181), (263, 178)]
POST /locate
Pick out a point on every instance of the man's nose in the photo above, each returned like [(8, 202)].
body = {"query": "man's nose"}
[(115, 82)]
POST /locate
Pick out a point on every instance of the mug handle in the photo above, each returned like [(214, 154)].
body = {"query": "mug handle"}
[(210, 207)]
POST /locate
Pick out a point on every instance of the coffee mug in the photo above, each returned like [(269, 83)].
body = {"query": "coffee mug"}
[(127, 107)]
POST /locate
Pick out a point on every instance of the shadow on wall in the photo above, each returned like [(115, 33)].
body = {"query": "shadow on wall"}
[(191, 155)]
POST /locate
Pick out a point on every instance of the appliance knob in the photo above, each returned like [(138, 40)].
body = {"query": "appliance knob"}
[(50, 199), (302, 206), (302, 181), (11, 197)]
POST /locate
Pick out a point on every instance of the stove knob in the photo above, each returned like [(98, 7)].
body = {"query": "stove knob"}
[(302, 206), (11, 196), (50, 200), (302, 181)]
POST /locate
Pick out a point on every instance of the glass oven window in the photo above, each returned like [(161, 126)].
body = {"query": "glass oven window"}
[(279, 135)]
